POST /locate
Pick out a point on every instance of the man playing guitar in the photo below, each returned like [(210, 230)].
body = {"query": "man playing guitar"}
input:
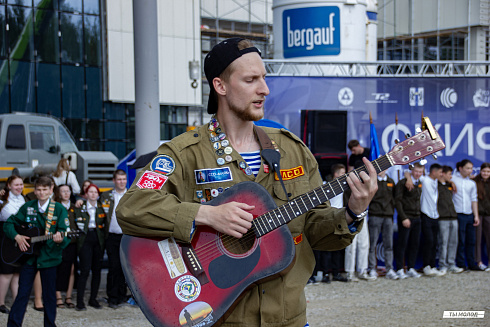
[(202, 164)]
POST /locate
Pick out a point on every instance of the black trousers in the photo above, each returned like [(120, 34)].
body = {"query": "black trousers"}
[(408, 243), (430, 230), (329, 261), (90, 256), (63, 272), (116, 283)]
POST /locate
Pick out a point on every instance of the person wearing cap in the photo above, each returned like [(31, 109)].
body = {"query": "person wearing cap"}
[(92, 220), (167, 196)]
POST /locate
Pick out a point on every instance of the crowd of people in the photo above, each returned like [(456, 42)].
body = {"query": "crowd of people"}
[(80, 225), (442, 217)]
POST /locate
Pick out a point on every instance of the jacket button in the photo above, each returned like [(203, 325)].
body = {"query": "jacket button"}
[(289, 194), (263, 291), (196, 135), (339, 226)]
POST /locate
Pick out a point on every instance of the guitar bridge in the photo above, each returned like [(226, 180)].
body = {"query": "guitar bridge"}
[(193, 264)]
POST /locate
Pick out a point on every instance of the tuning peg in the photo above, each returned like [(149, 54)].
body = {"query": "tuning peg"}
[(418, 130), (423, 162), (434, 156), (407, 135), (397, 141)]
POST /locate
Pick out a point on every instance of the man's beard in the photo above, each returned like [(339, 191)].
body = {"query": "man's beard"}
[(246, 114)]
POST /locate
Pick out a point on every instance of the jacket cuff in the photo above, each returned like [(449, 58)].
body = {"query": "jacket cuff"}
[(187, 213)]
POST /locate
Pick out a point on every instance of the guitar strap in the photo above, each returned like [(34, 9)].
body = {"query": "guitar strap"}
[(270, 155), (49, 219)]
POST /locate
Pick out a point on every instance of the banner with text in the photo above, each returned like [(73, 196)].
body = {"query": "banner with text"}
[(459, 108)]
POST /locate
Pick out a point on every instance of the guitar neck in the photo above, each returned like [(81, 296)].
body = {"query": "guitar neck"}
[(42, 238), (303, 203)]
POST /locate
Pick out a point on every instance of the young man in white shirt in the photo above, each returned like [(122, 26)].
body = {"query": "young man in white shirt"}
[(116, 283), (429, 216), (466, 204)]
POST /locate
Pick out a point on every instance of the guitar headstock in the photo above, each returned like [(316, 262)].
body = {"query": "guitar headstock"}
[(75, 233), (418, 146)]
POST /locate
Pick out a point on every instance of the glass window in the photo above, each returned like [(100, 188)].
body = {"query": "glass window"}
[(71, 5), (46, 4), (3, 36), (91, 7), (22, 91), (48, 89), (42, 138), (92, 40), (73, 92), (21, 40), (118, 148), (46, 36), (4, 87), (93, 146), (114, 111), (71, 38), (169, 131), (115, 130), (94, 93), (67, 144), (16, 137), (27, 3), (95, 130), (77, 129)]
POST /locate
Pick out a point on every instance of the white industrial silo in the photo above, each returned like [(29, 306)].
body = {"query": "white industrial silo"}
[(320, 30)]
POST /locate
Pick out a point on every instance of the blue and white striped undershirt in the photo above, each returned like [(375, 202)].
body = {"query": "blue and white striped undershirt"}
[(253, 160)]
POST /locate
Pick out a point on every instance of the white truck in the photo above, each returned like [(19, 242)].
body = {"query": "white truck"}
[(32, 144)]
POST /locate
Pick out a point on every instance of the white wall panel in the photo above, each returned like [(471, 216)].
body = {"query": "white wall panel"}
[(179, 42), (452, 14)]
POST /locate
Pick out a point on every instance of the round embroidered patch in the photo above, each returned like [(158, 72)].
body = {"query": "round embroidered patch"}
[(163, 164)]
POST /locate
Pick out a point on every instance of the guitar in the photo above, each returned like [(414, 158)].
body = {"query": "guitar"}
[(12, 255), (197, 284)]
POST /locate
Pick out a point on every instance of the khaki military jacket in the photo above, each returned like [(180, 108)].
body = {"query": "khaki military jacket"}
[(82, 219), (169, 210)]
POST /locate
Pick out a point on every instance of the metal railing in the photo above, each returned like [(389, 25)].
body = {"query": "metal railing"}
[(280, 67)]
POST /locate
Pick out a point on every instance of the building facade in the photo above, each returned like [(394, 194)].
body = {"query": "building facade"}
[(74, 59)]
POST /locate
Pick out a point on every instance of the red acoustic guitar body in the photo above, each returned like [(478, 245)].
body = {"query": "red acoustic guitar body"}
[(171, 291)]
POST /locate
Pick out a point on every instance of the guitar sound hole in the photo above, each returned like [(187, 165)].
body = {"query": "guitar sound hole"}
[(239, 245)]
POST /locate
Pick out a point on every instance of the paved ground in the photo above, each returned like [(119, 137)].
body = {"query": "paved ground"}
[(411, 302)]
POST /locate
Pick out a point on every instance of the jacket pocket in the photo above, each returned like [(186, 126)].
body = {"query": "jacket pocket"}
[(296, 208)]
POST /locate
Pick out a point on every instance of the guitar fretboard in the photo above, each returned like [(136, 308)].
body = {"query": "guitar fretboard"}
[(303, 203), (41, 238)]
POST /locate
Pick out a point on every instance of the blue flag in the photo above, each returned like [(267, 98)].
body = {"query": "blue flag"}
[(374, 144)]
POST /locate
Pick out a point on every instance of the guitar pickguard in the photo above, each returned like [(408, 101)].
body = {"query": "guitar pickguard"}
[(236, 269)]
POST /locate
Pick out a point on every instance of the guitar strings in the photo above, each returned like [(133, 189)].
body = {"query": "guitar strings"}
[(208, 250)]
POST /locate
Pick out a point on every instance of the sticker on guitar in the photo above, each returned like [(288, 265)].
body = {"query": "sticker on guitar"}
[(171, 255), (198, 314), (187, 288)]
